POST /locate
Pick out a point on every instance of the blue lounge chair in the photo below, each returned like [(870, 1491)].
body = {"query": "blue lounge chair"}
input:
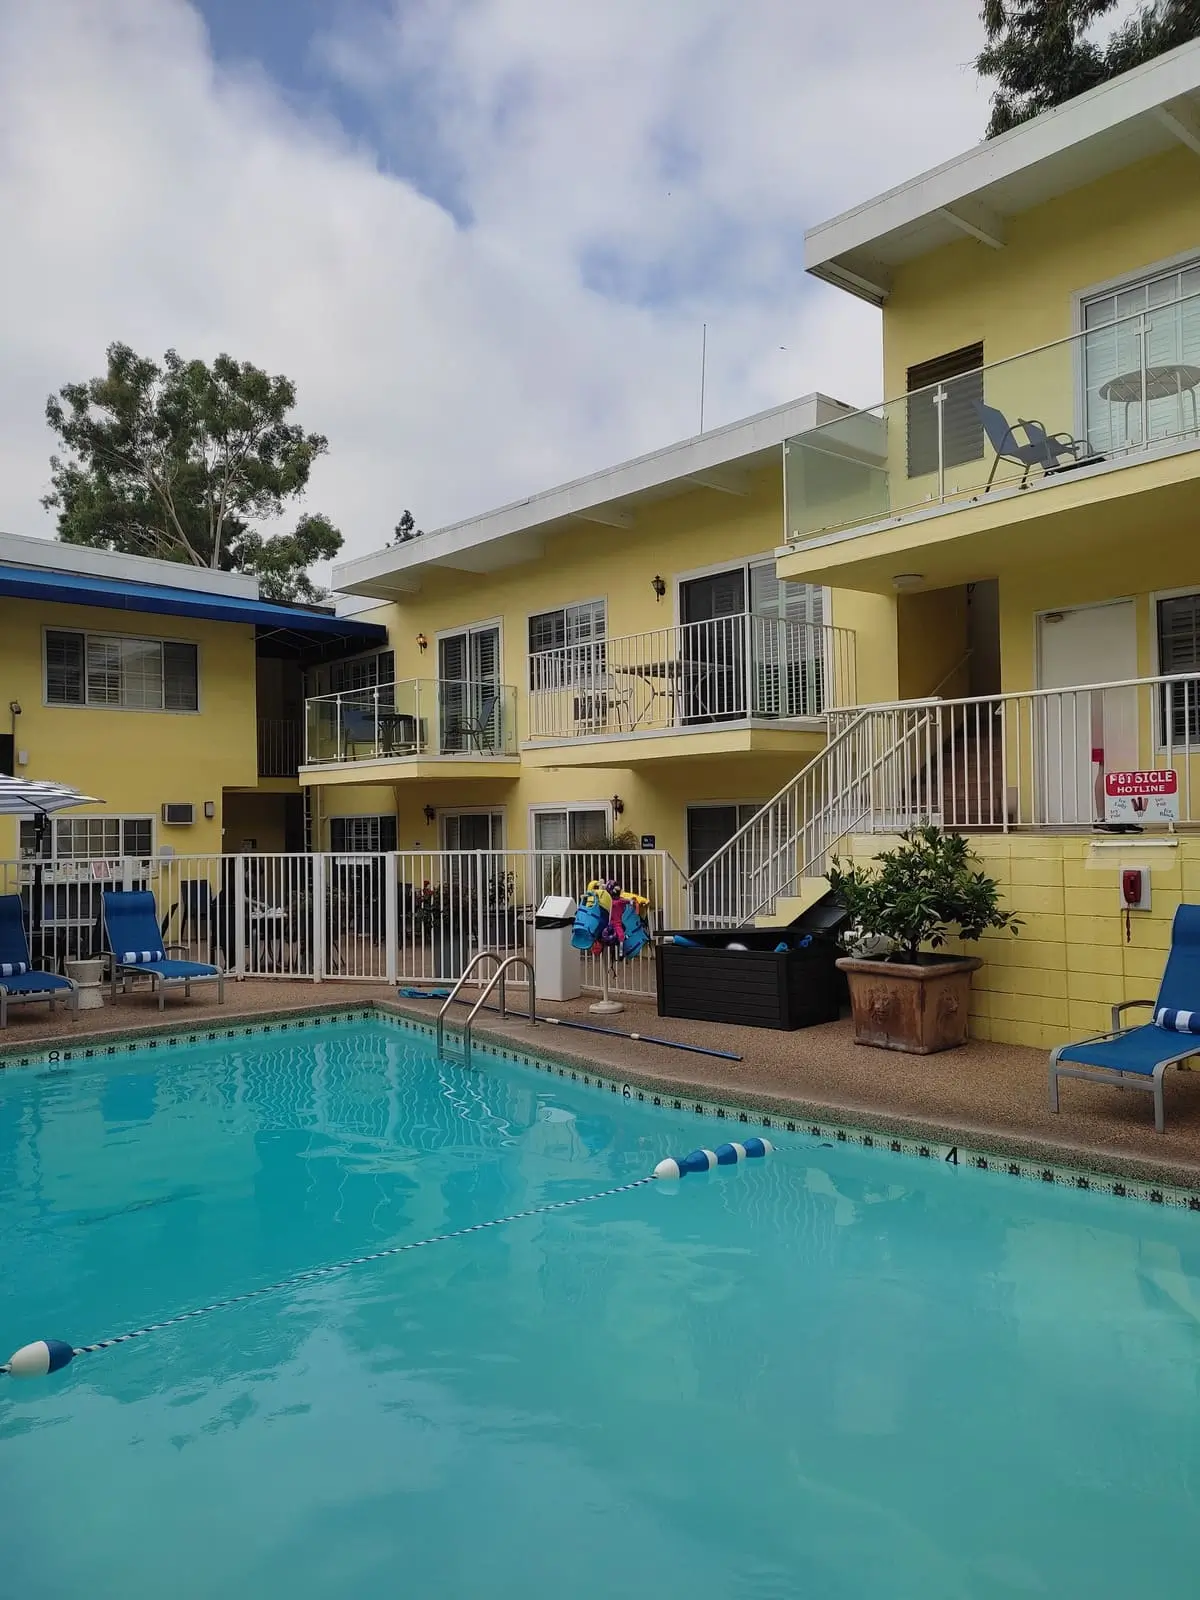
[(19, 982), (136, 945), (1136, 1058)]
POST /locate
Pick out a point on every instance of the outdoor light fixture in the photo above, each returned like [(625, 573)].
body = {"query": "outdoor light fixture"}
[(422, 643), (210, 809), (659, 585), (617, 804), (907, 580), (430, 815)]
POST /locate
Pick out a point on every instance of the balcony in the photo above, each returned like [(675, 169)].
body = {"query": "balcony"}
[(410, 729), (1105, 413), (280, 742), (703, 688)]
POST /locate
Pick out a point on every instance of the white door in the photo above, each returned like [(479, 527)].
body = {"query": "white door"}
[(469, 690), (1083, 734)]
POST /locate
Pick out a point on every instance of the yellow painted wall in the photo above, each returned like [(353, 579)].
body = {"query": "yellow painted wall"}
[(1020, 297), (1071, 962), (134, 760)]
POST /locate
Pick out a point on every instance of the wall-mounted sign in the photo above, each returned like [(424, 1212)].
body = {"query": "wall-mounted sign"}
[(1141, 796), (647, 841)]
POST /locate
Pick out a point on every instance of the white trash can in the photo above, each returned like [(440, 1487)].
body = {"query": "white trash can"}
[(555, 961)]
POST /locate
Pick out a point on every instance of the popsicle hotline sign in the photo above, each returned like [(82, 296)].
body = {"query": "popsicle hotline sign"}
[(1141, 796)]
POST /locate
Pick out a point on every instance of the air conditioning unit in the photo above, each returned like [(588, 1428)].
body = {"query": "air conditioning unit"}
[(178, 815)]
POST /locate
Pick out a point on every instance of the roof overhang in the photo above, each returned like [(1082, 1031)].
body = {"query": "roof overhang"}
[(722, 461), (1140, 114), (280, 629)]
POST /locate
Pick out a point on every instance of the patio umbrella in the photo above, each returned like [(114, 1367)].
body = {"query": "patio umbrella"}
[(20, 796)]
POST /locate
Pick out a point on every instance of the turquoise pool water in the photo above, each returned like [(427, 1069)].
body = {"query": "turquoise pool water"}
[(839, 1373)]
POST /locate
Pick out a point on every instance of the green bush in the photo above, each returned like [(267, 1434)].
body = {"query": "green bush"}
[(917, 893)]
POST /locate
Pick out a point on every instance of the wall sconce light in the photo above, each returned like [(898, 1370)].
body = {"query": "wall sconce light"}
[(430, 815), (210, 809), (659, 585), (422, 643), (617, 804)]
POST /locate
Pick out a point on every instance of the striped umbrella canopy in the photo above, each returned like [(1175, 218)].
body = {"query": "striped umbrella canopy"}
[(20, 796)]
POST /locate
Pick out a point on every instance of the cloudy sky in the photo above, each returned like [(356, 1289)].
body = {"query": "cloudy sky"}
[(482, 235)]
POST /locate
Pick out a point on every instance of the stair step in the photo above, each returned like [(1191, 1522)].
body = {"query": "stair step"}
[(790, 906)]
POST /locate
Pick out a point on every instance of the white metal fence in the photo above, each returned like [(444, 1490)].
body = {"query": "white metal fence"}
[(687, 676), (409, 917)]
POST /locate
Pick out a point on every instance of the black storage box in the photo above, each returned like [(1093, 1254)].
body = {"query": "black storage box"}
[(760, 986)]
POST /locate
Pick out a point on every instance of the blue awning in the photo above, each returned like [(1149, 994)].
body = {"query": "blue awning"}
[(292, 628)]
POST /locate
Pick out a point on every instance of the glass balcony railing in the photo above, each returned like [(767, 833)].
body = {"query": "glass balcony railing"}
[(416, 717), (1125, 385), (689, 677)]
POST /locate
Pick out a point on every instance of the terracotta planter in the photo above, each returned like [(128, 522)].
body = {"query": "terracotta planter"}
[(919, 1007)]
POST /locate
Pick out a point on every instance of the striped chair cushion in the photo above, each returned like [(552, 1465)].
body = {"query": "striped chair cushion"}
[(1177, 1021), (12, 969), (142, 955)]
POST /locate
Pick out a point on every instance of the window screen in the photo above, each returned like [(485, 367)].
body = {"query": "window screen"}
[(959, 376), (1179, 651)]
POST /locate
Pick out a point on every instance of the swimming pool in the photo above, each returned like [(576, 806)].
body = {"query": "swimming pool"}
[(839, 1373)]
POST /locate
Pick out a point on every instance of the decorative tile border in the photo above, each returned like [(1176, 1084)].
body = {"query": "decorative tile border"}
[(831, 1133)]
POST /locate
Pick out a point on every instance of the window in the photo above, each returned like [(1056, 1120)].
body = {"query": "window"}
[(473, 830), (363, 672), (1166, 307), (92, 838), (1179, 651), (93, 669), (362, 835), (959, 376), (711, 826), (570, 828), (575, 634)]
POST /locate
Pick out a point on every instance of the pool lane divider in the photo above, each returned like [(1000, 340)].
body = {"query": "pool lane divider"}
[(582, 1027), (52, 1355)]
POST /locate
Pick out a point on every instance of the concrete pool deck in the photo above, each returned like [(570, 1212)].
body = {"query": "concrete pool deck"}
[(988, 1096)]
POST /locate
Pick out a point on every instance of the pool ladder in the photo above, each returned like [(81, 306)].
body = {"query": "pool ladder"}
[(503, 963)]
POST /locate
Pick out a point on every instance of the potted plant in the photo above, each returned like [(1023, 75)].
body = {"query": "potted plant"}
[(905, 996)]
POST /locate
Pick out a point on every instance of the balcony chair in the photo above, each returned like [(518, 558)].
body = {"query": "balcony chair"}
[(1049, 451), (476, 725), (19, 982), (1137, 1057), (359, 726), (136, 946)]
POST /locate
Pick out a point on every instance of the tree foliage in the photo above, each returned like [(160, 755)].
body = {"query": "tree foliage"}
[(177, 461), (406, 529), (1042, 52), (914, 894)]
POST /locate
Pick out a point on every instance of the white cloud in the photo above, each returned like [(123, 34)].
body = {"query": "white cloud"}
[(628, 171)]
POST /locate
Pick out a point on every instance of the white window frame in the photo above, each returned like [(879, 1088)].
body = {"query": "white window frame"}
[(1179, 593), (472, 811), (121, 818), (565, 807), (360, 816), (138, 638), (542, 611), (714, 569), (1095, 291), (471, 627)]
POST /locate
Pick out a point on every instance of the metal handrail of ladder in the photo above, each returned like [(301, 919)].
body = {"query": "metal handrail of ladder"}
[(497, 977)]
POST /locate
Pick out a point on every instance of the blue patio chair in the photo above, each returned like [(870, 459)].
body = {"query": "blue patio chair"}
[(136, 945), (1137, 1058), (19, 982), (1039, 449)]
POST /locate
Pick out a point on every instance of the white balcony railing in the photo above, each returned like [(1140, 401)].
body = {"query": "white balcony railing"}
[(415, 717), (691, 676), (1100, 398), (1029, 760)]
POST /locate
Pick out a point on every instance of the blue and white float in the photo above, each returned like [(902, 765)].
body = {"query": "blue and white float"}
[(37, 1359), (725, 1155)]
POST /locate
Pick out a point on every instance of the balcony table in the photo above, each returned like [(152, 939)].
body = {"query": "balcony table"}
[(1162, 381)]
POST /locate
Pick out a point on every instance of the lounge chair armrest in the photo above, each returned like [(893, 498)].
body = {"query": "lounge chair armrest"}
[(1124, 1006), (167, 948)]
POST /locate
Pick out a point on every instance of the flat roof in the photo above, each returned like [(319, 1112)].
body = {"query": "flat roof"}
[(1126, 120), (720, 460), (281, 629), (20, 550)]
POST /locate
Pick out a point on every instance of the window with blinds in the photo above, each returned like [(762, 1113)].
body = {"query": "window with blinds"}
[(958, 378), (1164, 309), (1179, 651), (566, 646), (110, 670), (362, 835)]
